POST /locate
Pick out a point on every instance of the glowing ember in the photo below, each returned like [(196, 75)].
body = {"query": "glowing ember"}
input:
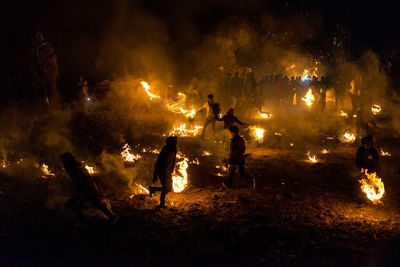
[(258, 133), (207, 153), (343, 114), (312, 158), (376, 109), (180, 176), (291, 144), (265, 115), (146, 87), (155, 151), (4, 164), (46, 172), (385, 154), (142, 189), (195, 161), (127, 154), (349, 137), (181, 130), (372, 186), (325, 151), (309, 98)]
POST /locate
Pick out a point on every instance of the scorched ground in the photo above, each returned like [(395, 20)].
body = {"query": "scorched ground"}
[(300, 214)]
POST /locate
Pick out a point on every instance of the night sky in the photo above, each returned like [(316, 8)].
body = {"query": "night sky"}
[(78, 28)]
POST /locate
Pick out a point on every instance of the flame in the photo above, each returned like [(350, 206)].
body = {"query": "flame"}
[(352, 89), (312, 158), (127, 155), (305, 75), (265, 115), (325, 151), (372, 186), (343, 114), (146, 87), (291, 67), (89, 169), (207, 153), (349, 137), (258, 133), (155, 151), (385, 154), (376, 109), (142, 189), (178, 106), (180, 176), (181, 130), (308, 98), (195, 161), (46, 172)]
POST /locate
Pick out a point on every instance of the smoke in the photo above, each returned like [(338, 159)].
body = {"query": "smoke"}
[(137, 45)]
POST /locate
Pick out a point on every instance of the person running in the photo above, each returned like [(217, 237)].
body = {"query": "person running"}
[(163, 169), (236, 158)]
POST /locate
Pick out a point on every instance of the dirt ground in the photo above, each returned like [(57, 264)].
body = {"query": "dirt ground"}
[(300, 214)]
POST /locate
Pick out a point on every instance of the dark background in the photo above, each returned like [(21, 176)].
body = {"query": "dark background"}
[(78, 28)]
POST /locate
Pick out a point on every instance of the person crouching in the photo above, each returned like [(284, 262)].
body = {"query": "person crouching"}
[(86, 189)]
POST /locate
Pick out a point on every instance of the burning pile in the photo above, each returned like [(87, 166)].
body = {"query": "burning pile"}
[(258, 133), (372, 186), (181, 130), (385, 154), (349, 137), (180, 176), (127, 155), (46, 172), (312, 158)]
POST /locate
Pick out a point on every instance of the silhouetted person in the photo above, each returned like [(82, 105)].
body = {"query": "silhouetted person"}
[(322, 99), (340, 90), (212, 110), (367, 157), (86, 189), (46, 60), (163, 169), (236, 157), (229, 119)]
